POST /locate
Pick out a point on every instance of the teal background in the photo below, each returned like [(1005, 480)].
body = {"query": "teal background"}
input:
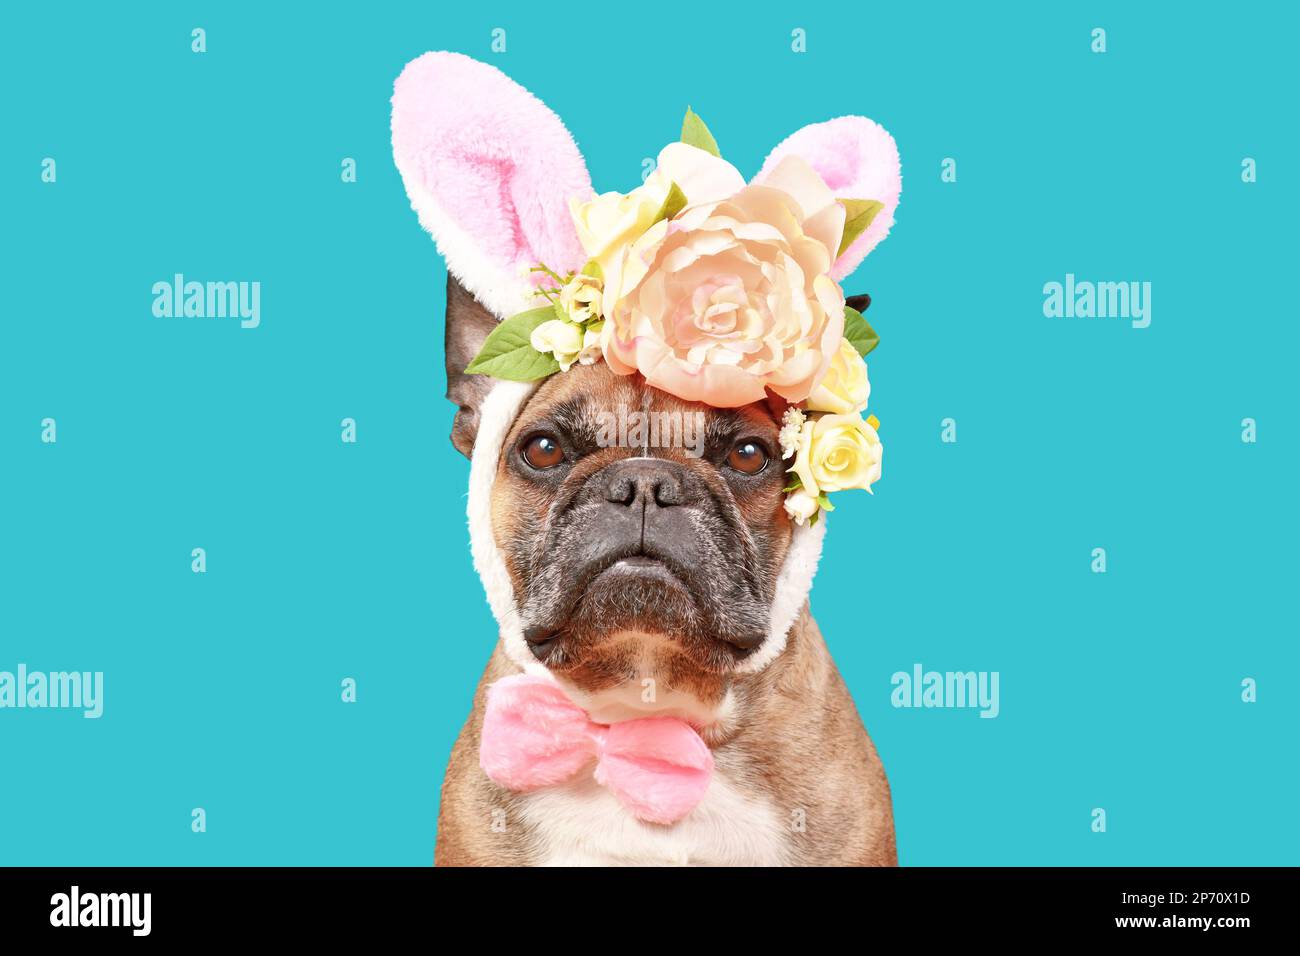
[(328, 560)]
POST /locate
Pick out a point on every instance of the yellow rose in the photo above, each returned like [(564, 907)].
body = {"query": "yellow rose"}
[(612, 221), (610, 224), (837, 453), (845, 387), (564, 339)]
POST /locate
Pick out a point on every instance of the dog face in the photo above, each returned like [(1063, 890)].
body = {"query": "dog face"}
[(643, 534)]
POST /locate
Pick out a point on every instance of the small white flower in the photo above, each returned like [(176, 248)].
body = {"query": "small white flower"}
[(800, 505), (791, 426), (580, 298), (590, 353)]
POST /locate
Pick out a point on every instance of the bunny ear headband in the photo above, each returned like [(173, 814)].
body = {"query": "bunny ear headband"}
[(716, 290)]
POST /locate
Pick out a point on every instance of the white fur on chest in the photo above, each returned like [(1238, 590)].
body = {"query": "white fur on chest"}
[(583, 824)]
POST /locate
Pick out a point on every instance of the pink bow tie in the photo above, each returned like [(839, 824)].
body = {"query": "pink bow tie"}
[(534, 736)]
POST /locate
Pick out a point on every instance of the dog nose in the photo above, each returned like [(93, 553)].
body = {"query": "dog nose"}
[(644, 480)]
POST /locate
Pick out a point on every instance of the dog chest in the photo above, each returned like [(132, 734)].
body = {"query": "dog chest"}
[(583, 824)]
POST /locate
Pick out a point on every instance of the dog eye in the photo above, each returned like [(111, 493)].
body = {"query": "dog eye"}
[(748, 458), (543, 451)]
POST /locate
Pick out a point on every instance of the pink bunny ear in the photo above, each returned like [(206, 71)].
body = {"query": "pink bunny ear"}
[(858, 160), (490, 170)]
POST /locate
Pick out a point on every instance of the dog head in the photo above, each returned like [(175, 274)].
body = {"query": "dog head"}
[(643, 535), (623, 535)]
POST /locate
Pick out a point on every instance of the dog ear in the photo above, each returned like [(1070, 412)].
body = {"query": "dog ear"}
[(857, 159), (468, 324), (490, 171)]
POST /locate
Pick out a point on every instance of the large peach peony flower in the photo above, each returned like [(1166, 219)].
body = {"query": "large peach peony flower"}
[(733, 295)]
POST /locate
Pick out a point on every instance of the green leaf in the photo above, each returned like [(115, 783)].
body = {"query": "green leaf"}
[(695, 133), (507, 352), (593, 270), (860, 335), (795, 482), (825, 503), (674, 203), (813, 520), (860, 212)]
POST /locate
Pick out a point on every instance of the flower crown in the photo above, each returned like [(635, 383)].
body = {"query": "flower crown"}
[(717, 291)]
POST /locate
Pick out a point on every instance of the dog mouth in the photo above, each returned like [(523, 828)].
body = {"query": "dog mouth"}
[(642, 565), (640, 593), (542, 640), (632, 569), (618, 573)]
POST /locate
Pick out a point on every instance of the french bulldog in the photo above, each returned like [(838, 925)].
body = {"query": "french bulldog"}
[(636, 578), (655, 566)]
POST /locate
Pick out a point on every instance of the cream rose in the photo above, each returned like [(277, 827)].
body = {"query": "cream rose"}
[(564, 339), (580, 298), (608, 224), (845, 387), (612, 221), (837, 453), (733, 296)]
